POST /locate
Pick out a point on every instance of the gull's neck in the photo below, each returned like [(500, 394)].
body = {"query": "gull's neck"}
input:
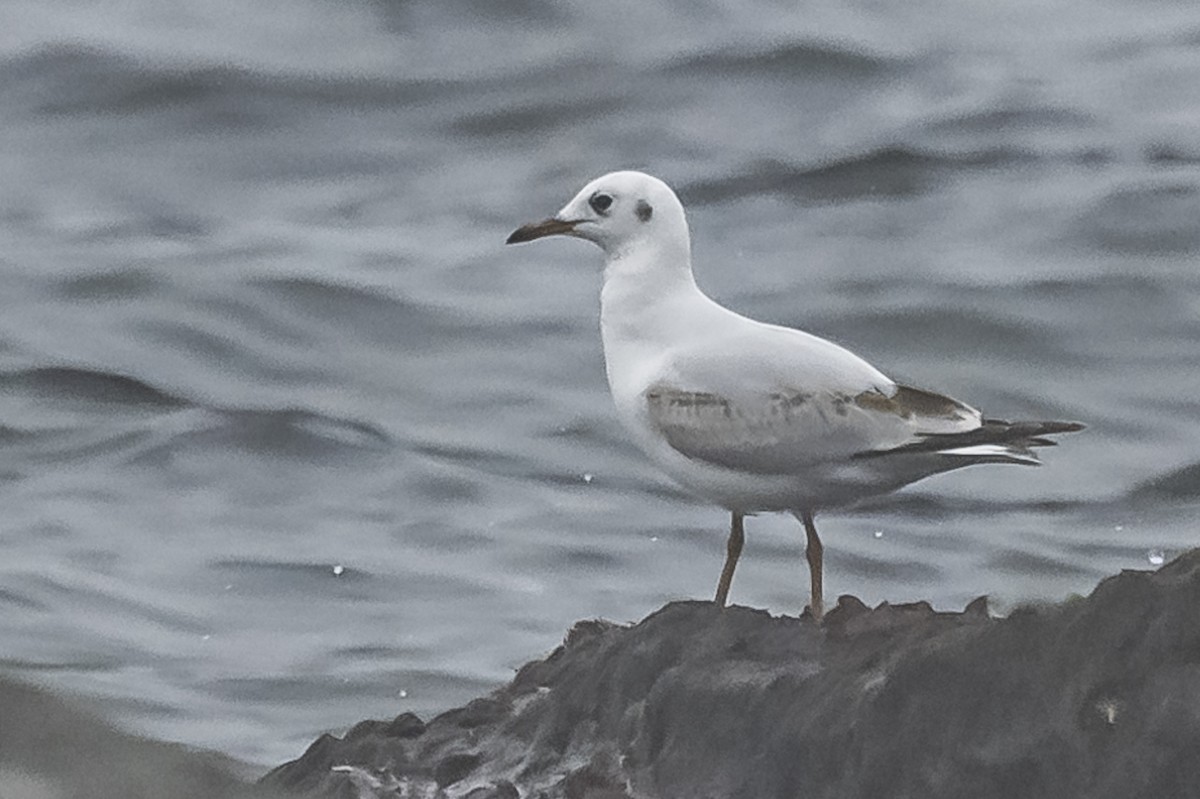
[(650, 296)]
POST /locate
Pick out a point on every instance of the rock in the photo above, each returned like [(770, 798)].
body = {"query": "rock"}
[(1096, 697), (49, 749), (406, 725), (454, 768), (501, 790)]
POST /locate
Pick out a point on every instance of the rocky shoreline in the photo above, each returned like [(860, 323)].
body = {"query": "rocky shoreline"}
[(1095, 697)]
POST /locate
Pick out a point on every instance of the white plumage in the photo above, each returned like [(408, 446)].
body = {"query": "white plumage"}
[(752, 416)]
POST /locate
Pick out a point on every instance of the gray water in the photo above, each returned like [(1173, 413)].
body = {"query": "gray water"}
[(288, 438)]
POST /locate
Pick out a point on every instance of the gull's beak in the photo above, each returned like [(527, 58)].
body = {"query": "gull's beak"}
[(536, 230)]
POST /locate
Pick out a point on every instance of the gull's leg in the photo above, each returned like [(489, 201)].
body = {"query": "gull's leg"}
[(815, 552), (733, 550)]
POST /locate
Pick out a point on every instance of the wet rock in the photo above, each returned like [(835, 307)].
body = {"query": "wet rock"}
[(406, 725), (454, 768), (501, 790), (1096, 697)]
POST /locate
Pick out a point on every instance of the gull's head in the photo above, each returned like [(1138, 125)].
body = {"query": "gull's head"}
[(619, 211)]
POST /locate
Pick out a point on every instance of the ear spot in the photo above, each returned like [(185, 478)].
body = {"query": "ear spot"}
[(643, 210)]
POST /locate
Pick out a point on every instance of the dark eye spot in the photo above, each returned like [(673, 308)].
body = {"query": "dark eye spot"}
[(601, 202), (644, 211)]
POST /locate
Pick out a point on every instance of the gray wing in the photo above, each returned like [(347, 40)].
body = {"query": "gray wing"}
[(785, 431)]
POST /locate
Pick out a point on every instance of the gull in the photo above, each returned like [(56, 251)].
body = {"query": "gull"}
[(756, 417)]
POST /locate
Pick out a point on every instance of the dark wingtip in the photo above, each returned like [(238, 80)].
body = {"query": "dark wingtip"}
[(1040, 429), (992, 431), (1026, 428)]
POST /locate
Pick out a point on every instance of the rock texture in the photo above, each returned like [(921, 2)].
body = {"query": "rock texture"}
[(1097, 697)]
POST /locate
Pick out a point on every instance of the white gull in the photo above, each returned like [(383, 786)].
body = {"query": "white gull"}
[(751, 416)]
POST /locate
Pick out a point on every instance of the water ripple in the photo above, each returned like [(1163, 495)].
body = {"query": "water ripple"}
[(804, 60), (87, 385), (885, 172)]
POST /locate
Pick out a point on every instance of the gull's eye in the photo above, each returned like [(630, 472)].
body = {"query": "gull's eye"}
[(601, 202)]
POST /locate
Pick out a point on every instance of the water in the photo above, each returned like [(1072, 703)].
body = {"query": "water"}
[(288, 438)]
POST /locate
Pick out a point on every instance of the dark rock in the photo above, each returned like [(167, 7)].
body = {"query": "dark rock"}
[(312, 769), (586, 630), (406, 725), (477, 713), (600, 779), (500, 790), (977, 607), (1097, 698), (454, 768), (365, 728)]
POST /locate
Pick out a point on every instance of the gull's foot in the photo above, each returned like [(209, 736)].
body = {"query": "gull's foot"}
[(816, 615)]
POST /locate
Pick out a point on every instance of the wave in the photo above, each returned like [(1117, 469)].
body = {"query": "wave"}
[(73, 79), (174, 425), (1182, 484), (942, 329), (1172, 154), (1026, 563), (992, 121), (799, 59), (87, 385), (1157, 218), (928, 505), (535, 117), (889, 172), (375, 315), (282, 434)]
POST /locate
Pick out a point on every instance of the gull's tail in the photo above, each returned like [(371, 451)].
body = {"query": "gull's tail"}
[(994, 441)]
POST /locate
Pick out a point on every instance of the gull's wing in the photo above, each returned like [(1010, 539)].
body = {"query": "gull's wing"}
[(786, 400), (780, 432)]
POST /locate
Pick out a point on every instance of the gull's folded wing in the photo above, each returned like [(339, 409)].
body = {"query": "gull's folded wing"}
[(779, 432)]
